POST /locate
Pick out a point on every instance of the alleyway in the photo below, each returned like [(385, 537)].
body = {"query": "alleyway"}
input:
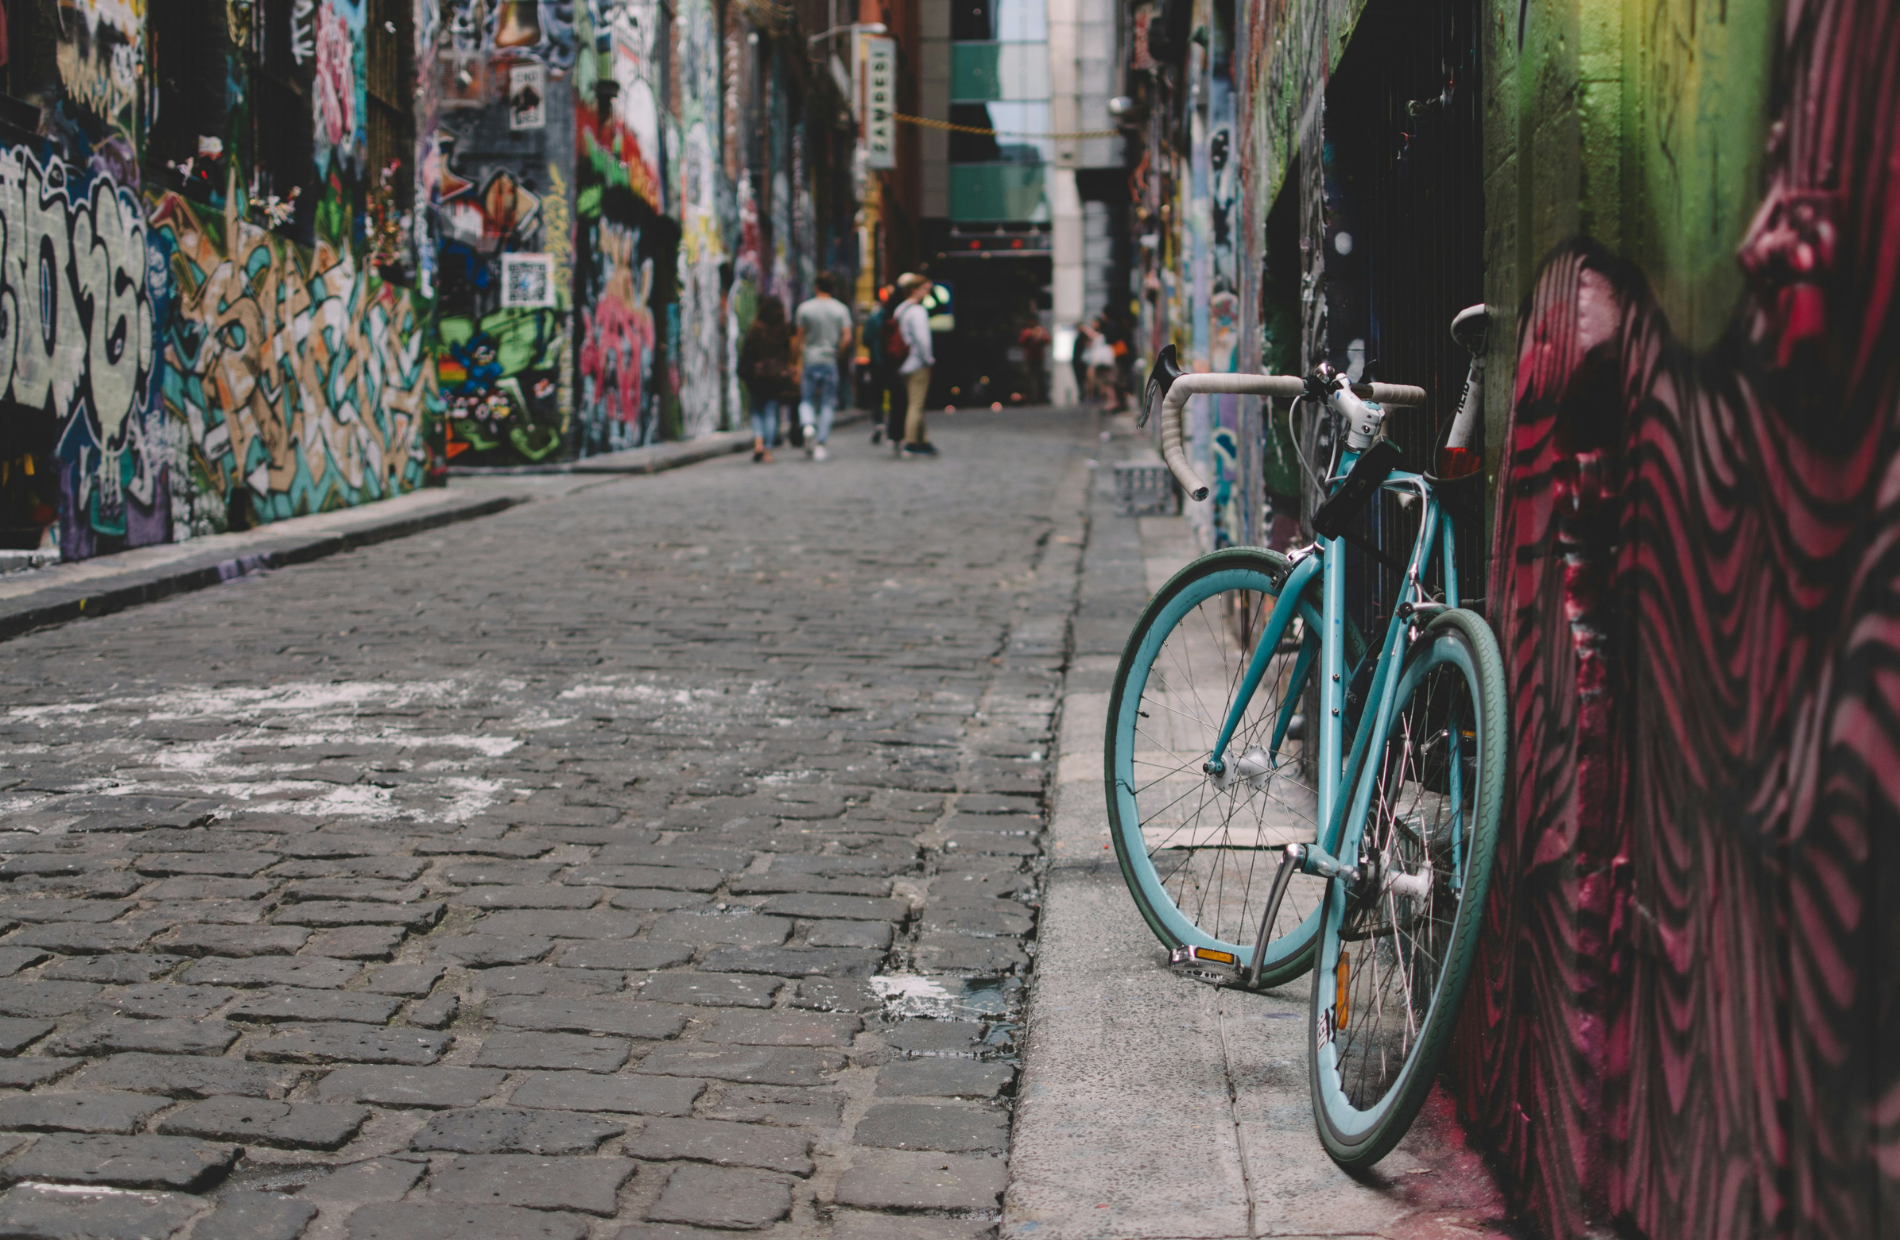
[(566, 871)]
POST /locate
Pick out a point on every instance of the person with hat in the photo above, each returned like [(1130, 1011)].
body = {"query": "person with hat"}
[(913, 340)]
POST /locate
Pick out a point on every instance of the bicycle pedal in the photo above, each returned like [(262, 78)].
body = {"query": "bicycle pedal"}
[(1204, 964)]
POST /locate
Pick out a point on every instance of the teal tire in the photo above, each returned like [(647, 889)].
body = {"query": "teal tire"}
[(1199, 858), (1395, 948)]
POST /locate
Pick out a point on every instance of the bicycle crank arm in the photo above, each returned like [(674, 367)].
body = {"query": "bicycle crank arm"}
[(1290, 861)]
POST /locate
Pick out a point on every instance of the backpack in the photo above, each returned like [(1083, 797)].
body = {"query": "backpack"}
[(895, 347)]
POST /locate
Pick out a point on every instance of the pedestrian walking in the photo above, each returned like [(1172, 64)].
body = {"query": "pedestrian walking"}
[(887, 389), (913, 330), (824, 334), (765, 366), (1078, 359), (1101, 363)]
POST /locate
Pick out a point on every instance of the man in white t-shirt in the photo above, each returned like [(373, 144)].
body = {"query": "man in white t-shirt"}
[(824, 332), (913, 324)]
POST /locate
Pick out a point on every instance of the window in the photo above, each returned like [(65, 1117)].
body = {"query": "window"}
[(282, 134), (391, 87), (30, 71), (184, 101)]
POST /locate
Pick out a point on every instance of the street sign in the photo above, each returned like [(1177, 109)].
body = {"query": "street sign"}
[(880, 101)]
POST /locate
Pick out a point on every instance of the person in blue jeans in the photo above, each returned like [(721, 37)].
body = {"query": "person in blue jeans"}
[(765, 365), (824, 335)]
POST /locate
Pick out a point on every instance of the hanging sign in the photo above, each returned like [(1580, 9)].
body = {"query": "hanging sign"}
[(880, 101)]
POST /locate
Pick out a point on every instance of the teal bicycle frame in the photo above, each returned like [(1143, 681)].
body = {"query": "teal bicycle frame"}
[(1325, 559)]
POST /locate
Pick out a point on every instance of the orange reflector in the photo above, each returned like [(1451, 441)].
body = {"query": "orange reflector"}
[(1203, 953), (1342, 978)]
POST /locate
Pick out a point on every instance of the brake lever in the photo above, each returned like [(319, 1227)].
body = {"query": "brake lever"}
[(1161, 377)]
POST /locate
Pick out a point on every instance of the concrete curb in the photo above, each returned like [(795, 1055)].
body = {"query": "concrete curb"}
[(60, 602), (656, 458)]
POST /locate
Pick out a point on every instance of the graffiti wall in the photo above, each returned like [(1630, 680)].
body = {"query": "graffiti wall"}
[(201, 326), (1686, 1015), (299, 378), (78, 295), (703, 254), (626, 242), (273, 257), (1690, 232), (504, 232)]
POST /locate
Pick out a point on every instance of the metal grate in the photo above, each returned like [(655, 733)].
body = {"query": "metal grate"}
[(1145, 489)]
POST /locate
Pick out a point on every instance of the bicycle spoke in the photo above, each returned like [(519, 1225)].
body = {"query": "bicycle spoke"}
[(1412, 846), (1205, 842)]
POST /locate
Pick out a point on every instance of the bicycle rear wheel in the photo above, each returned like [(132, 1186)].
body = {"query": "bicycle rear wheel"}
[(1199, 852), (1395, 947)]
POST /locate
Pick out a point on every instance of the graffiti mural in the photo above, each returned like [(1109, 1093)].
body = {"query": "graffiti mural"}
[(79, 301), (503, 194), (300, 379), (337, 103), (1684, 1020), (702, 252), (99, 56), (617, 340), (619, 141)]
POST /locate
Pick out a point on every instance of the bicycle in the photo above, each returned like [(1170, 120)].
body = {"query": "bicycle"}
[(1385, 828)]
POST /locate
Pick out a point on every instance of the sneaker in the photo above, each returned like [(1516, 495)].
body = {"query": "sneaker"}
[(818, 453), (877, 435), (920, 449)]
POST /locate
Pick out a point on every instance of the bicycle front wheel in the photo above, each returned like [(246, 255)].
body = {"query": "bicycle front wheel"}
[(1199, 852), (1396, 944)]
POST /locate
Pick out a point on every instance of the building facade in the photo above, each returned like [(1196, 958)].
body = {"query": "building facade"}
[(288, 256), (1683, 222)]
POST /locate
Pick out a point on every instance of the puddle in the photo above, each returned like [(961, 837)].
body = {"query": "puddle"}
[(908, 996)]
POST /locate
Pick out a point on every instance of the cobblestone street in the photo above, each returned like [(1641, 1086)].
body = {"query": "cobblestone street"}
[(652, 861)]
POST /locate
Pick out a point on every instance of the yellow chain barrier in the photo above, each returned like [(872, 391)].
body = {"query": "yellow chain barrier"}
[(1076, 136)]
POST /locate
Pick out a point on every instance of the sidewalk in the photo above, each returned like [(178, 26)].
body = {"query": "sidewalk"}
[(35, 598), (1154, 1107)]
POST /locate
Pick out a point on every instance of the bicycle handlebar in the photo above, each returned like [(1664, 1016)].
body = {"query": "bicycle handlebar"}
[(1286, 386)]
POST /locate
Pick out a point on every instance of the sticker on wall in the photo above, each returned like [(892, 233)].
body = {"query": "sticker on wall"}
[(527, 97), (527, 280), (461, 80)]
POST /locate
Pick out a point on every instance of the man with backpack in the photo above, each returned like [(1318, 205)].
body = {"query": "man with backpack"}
[(907, 340)]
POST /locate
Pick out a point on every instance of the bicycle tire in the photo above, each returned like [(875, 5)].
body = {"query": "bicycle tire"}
[(1403, 792), (1203, 891)]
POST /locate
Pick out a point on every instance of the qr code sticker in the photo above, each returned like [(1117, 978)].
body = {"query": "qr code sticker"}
[(527, 280)]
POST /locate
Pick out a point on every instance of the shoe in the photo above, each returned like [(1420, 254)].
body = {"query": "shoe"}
[(810, 450), (818, 453), (877, 436), (758, 447), (919, 449), (764, 457)]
